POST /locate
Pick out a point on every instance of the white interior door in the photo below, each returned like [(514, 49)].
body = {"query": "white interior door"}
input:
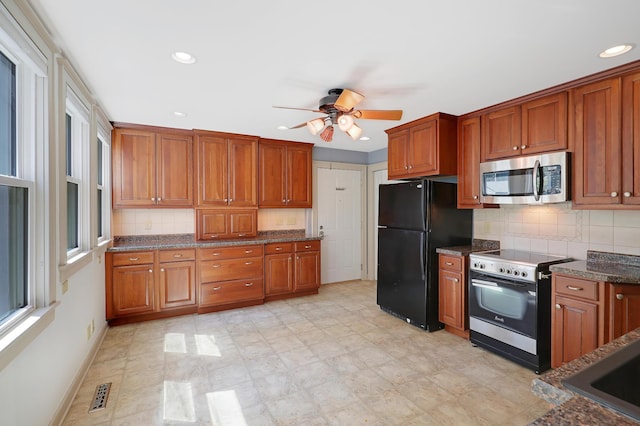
[(379, 178), (340, 219)]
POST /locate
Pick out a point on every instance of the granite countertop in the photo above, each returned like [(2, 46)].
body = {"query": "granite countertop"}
[(572, 408), (475, 246), (603, 266), (174, 241)]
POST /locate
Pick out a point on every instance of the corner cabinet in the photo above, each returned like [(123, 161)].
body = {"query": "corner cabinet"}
[(152, 167), (285, 174), (292, 269), (227, 170), (424, 147), (625, 308), (453, 294)]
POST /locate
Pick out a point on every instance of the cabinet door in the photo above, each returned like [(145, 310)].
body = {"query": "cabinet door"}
[(211, 156), (469, 163), (597, 144), (242, 223), (574, 329), (423, 149), (501, 134), (299, 176), (211, 224), (544, 124), (272, 174), (132, 290), (307, 271), (451, 298), (177, 284), (243, 173), (175, 170), (397, 154), (625, 309), (278, 273), (134, 168), (631, 139)]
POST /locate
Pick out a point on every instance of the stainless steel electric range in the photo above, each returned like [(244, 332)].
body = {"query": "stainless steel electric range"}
[(510, 305)]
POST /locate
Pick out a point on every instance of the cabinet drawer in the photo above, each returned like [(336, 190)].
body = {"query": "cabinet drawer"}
[(230, 252), (230, 269), (276, 248), (313, 245), (452, 263), (132, 258), (176, 255), (230, 291), (577, 287)]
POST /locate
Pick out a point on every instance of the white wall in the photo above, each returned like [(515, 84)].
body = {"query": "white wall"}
[(556, 229)]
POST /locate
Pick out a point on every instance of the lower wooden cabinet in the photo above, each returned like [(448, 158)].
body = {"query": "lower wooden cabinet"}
[(292, 269), (453, 299), (149, 284), (625, 308)]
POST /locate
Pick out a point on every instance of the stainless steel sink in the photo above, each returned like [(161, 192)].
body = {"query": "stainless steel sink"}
[(613, 381)]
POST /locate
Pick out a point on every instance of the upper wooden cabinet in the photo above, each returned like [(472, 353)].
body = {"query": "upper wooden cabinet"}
[(285, 174), (607, 143), (225, 223), (424, 147), (469, 163), (532, 127), (227, 169), (152, 167)]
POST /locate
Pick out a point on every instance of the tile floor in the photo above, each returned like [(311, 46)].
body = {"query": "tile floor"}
[(330, 359)]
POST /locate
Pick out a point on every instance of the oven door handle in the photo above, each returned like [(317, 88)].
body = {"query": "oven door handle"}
[(536, 189), (483, 283)]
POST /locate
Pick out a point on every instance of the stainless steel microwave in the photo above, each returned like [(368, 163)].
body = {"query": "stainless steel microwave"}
[(535, 179)]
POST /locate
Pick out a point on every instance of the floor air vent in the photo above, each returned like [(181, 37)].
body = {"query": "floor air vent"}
[(100, 397)]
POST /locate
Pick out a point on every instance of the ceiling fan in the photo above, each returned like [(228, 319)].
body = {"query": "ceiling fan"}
[(339, 107)]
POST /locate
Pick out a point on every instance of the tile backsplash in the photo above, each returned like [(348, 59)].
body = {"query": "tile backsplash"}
[(557, 229), (182, 221)]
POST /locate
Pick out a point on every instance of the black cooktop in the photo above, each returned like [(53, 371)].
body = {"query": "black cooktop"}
[(522, 256)]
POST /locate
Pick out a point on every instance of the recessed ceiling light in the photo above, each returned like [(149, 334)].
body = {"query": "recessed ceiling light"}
[(616, 50), (183, 57), (365, 138), (179, 114), (282, 127)]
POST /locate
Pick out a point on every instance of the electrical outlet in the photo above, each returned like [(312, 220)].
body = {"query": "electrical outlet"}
[(65, 286), (147, 224)]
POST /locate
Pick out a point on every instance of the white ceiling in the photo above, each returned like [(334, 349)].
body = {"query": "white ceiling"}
[(453, 56)]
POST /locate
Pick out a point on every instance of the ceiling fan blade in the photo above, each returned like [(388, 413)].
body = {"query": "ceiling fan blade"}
[(299, 109), (378, 114), (297, 126), (347, 100)]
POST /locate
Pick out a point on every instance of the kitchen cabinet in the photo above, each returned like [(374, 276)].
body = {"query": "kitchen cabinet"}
[(579, 319), (423, 147), (218, 224), (227, 170), (285, 174), (152, 168), (230, 277), (292, 269), (469, 163), (453, 304), (149, 284), (539, 125), (625, 309)]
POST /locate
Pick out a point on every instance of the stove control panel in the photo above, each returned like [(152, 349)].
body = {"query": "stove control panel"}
[(504, 269)]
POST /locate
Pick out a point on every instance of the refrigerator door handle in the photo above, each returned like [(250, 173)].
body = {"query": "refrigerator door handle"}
[(422, 262)]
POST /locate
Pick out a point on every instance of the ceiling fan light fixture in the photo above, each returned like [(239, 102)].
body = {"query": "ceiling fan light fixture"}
[(315, 126), (327, 134), (355, 131), (345, 122)]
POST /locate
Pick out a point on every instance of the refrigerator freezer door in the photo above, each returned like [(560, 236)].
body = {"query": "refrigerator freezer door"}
[(401, 274), (403, 205)]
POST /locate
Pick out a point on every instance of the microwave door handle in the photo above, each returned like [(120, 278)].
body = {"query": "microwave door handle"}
[(536, 189)]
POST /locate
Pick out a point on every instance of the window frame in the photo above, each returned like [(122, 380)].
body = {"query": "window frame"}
[(104, 137)]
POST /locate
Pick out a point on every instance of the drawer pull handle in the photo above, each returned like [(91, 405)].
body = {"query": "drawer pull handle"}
[(134, 258), (177, 255), (570, 287), (216, 254), (558, 306), (248, 284), (307, 246), (278, 248), (213, 236), (216, 288), (216, 266), (242, 235), (248, 251), (248, 263), (619, 296), (448, 263)]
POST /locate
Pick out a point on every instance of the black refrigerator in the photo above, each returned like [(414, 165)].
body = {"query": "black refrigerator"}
[(414, 219)]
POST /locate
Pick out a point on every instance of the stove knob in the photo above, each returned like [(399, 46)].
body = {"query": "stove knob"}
[(508, 271), (482, 266), (501, 270), (524, 274), (475, 265), (516, 273)]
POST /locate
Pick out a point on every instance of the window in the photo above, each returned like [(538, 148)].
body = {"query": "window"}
[(102, 204)]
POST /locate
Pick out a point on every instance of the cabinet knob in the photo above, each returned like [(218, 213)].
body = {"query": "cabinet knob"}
[(619, 296), (284, 201), (153, 199), (159, 199), (230, 200), (515, 148), (226, 200), (475, 197), (410, 167), (558, 306), (627, 194), (406, 167), (151, 271), (288, 200), (523, 147), (161, 269), (614, 194), (455, 280)]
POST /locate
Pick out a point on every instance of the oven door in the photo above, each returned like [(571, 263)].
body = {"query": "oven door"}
[(504, 303)]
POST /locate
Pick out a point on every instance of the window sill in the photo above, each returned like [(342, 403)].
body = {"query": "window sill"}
[(20, 336), (74, 264)]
